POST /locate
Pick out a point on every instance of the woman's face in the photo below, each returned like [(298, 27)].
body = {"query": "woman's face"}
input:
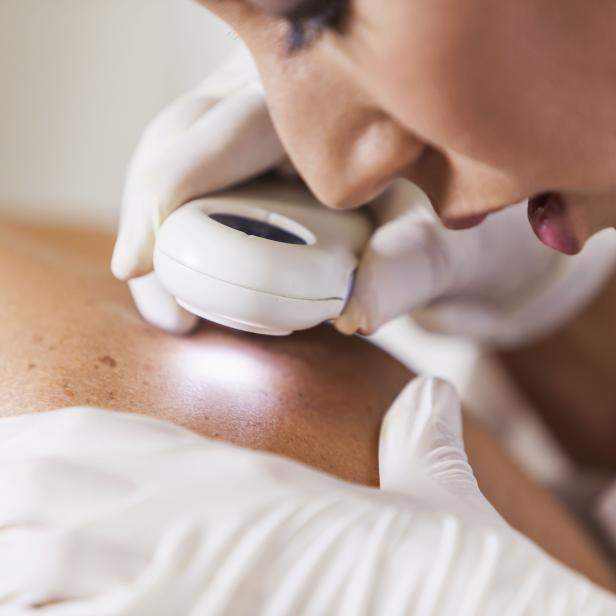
[(480, 103)]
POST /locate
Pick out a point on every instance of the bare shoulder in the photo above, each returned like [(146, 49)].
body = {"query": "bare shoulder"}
[(73, 337)]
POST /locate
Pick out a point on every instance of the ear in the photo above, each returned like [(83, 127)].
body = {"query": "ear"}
[(421, 446)]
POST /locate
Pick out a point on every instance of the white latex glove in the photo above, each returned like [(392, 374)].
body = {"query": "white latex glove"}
[(495, 283), (110, 514), (211, 138)]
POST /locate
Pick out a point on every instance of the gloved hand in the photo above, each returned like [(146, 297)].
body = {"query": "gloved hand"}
[(211, 138), (110, 513), (495, 283)]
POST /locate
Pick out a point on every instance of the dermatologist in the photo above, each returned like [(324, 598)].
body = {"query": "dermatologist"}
[(458, 123)]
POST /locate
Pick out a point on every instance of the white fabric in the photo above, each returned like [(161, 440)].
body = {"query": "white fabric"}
[(103, 513)]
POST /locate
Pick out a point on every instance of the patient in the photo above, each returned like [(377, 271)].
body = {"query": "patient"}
[(70, 336)]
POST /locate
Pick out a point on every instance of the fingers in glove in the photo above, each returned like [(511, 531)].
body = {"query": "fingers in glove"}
[(229, 143), (158, 307), (421, 441), (406, 264)]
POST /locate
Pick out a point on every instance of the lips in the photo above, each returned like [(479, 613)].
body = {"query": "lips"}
[(550, 220), (466, 222)]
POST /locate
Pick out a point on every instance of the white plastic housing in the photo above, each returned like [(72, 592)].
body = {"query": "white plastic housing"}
[(255, 284)]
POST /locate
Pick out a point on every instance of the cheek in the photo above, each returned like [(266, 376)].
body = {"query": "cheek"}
[(457, 78), (444, 101), (591, 214)]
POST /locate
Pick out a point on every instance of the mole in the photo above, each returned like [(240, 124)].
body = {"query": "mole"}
[(108, 361)]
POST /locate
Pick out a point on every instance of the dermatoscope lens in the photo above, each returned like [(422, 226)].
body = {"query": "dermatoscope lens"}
[(257, 228)]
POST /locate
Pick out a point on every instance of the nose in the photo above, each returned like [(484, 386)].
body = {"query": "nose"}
[(361, 164), (345, 147)]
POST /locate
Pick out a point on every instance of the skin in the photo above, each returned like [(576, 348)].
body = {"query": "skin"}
[(482, 104), (71, 336)]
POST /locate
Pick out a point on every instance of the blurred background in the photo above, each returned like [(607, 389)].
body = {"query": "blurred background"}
[(80, 80)]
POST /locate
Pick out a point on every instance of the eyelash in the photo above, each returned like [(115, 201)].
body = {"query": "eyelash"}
[(305, 30)]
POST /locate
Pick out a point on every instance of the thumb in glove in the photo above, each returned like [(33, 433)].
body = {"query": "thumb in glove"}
[(421, 449), (405, 262)]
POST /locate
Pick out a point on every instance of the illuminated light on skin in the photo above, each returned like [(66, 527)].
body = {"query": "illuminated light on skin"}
[(223, 386), (215, 365)]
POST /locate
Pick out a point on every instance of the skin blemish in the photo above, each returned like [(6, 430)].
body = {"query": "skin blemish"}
[(107, 360), (31, 366), (68, 392)]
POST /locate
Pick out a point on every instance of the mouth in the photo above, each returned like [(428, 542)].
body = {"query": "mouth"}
[(550, 220)]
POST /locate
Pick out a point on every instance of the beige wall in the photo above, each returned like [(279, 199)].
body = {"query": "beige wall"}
[(79, 80)]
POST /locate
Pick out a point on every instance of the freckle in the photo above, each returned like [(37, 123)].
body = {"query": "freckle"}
[(68, 392), (52, 347), (37, 338), (111, 395), (31, 366), (107, 360)]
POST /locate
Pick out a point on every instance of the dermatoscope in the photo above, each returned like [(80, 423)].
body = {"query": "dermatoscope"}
[(265, 257)]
